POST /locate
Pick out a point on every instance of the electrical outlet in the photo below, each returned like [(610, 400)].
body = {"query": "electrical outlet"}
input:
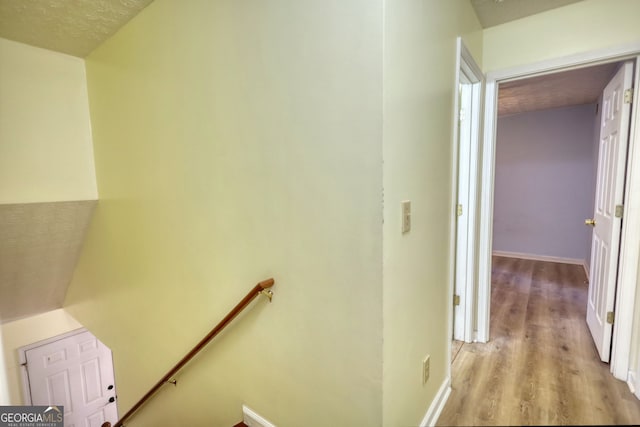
[(425, 369)]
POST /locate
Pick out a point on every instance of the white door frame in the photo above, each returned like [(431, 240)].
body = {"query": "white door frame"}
[(467, 71), (630, 238)]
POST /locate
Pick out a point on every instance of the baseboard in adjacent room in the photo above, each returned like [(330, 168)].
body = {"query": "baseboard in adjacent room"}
[(535, 257), (437, 405), (586, 269)]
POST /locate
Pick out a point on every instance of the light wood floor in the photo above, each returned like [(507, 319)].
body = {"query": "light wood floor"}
[(455, 349), (540, 366)]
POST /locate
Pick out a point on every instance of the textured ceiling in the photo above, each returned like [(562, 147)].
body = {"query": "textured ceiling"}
[(575, 87), (75, 27), (39, 246), (496, 12)]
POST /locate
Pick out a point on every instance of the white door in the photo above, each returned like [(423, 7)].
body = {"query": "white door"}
[(614, 135), (76, 372), (462, 226), (469, 100)]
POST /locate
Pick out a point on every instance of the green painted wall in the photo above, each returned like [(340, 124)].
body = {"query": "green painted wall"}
[(419, 72), (235, 141)]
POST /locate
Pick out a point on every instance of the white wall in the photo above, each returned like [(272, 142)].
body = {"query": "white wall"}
[(46, 152), (4, 386), (544, 183), (634, 354), (26, 331)]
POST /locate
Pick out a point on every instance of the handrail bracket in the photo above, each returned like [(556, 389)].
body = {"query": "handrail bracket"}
[(267, 293)]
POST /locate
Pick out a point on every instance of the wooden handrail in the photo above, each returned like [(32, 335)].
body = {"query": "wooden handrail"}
[(257, 289)]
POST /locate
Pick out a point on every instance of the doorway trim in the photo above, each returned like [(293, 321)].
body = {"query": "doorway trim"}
[(468, 72), (630, 237)]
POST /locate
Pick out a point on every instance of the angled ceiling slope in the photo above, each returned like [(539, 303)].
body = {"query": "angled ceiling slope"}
[(496, 12), (39, 247), (74, 27)]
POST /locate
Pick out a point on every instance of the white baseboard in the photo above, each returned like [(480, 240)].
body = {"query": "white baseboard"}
[(586, 269), (535, 257), (631, 382), (252, 419), (437, 405)]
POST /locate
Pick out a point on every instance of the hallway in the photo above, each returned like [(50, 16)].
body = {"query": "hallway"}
[(540, 366)]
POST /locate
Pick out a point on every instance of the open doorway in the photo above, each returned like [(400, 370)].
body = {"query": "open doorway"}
[(625, 310), (546, 164), (536, 380), (557, 156)]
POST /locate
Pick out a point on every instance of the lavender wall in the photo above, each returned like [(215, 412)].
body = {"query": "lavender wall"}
[(544, 182)]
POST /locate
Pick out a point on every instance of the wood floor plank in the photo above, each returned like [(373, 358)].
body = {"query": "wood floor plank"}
[(540, 366), (455, 348)]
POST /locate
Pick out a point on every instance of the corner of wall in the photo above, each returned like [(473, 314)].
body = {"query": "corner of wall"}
[(44, 109)]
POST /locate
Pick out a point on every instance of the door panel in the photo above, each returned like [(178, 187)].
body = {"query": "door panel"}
[(462, 225), (91, 381), (59, 389), (614, 133), (74, 372), (96, 420)]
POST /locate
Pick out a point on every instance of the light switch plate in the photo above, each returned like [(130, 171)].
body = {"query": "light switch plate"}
[(425, 369), (406, 216)]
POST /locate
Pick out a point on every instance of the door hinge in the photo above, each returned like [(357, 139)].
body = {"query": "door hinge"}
[(619, 211), (456, 300), (610, 317), (462, 115), (459, 210), (628, 96)]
